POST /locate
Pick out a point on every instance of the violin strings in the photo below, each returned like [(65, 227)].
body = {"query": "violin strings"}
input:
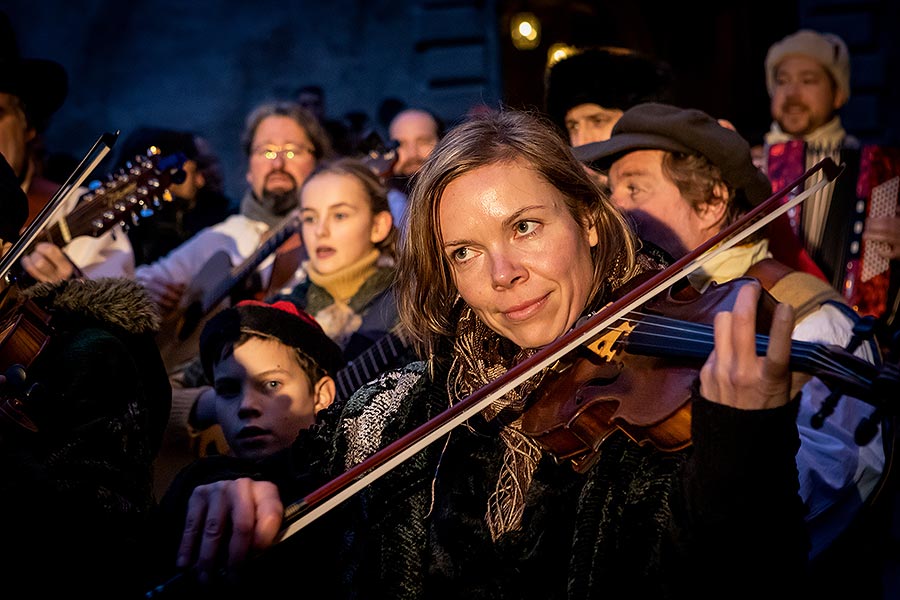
[(805, 353)]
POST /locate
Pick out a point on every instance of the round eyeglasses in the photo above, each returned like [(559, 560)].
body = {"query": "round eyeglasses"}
[(286, 152)]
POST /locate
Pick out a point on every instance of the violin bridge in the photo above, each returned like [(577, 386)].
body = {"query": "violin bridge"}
[(604, 344)]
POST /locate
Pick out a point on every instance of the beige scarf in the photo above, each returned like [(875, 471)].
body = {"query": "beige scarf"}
[(338, 320), (831, 134)]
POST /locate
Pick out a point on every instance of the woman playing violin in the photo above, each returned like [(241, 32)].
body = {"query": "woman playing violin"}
[(508, 244)]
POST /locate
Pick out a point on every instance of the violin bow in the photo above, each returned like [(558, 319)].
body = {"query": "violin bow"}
[(87, 165), (315, 504)]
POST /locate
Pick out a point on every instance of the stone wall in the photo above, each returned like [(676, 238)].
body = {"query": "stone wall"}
[(204, 65)]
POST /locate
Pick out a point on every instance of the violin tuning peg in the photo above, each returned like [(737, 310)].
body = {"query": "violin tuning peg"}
[(867, 428), (825, 411), (16, 376)]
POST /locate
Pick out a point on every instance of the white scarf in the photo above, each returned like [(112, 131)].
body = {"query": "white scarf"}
[(831, 134)]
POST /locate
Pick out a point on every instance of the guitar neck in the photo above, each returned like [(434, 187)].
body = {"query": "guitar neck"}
[(378, 358), (238, 274)]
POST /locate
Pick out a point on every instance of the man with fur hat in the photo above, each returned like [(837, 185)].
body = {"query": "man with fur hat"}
[(587, 92), (77, 453), (808, 79), (31, 90), (681, 177)]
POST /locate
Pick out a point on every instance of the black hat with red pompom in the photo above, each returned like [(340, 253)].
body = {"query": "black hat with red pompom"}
[(282, 320)]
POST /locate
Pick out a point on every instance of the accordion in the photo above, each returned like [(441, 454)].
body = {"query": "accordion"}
[(829, 225)]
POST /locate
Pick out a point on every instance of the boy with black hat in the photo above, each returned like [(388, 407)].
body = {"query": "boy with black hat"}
[(273, 369), (681, 177)]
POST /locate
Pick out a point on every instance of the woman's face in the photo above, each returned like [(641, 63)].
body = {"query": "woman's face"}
[(517, 255), (339, 228)]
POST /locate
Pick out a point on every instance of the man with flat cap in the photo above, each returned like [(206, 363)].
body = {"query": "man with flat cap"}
[(681, 177), (31, 91)]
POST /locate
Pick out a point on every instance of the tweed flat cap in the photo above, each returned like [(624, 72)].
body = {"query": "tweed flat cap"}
[(653, 126)]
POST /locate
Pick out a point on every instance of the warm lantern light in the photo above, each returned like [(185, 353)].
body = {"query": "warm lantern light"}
[(558, 52), (525, 31)]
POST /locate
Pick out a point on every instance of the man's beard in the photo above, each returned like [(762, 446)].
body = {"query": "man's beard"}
[(280, 202)]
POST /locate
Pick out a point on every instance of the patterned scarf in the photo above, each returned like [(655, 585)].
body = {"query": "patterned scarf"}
[(481, 356)]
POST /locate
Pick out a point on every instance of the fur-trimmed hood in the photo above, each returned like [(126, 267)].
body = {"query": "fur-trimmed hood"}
[(117, 302)]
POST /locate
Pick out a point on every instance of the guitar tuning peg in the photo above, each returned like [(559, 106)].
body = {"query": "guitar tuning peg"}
[(135, 219)]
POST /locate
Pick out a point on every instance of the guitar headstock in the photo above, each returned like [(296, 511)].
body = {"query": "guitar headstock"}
[(382, 161), (379, 156), (136, 190)]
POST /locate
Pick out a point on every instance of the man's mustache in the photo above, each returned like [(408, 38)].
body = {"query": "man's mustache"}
[(281, 172), (794, 104)]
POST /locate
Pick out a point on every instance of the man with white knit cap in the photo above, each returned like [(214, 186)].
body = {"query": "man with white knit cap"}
[(808, 79)]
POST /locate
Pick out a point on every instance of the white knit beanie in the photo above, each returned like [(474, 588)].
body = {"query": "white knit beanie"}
[(826, 48)]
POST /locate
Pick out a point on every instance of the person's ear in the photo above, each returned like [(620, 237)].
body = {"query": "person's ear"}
[(713, 212), (197, 175), (381, 226), (324, 393), (840, 98), (593, 237)]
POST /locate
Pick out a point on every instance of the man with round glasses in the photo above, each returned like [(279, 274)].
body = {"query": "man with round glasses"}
[(283, 144)]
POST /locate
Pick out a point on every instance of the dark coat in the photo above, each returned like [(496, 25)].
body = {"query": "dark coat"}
[(76, 495)]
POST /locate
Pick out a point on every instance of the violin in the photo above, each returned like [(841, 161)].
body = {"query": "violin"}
[(25, 328), (26, 332), (636, 377)]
